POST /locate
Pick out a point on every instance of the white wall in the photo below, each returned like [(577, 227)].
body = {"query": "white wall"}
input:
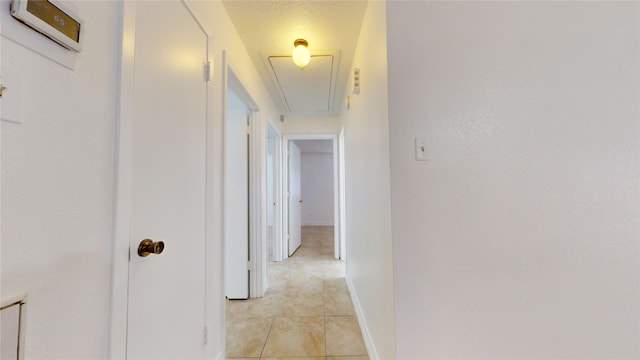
[(316, 181), (310, 125), (368, 213), (519, 238), (57, 189)]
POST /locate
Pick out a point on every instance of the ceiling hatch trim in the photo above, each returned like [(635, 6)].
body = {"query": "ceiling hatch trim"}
[(310, 90)]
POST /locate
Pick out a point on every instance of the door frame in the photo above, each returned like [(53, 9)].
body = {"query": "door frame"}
[(117, 342), (257, 172), (285, 185)]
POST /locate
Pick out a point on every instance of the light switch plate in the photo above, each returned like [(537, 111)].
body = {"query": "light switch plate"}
[(421, 149)]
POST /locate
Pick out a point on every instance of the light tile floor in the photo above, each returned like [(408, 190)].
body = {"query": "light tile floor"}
[(306, 313)]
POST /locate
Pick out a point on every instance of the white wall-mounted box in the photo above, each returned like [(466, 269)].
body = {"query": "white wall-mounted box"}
[(52, 19), (17, 31)]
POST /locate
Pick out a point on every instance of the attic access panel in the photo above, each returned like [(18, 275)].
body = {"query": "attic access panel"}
[(307, 90)]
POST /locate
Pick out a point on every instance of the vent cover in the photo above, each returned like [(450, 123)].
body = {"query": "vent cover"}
[(308, 90)]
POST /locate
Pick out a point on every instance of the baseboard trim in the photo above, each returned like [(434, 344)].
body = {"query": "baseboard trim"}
[(366, 335)]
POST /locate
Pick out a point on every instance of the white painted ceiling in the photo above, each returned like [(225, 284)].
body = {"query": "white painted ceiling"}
[(268, 29)]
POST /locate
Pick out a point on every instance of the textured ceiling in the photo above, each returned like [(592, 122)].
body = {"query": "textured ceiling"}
[(268, 29)]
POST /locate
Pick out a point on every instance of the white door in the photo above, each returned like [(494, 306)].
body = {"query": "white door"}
[(236, 198), (271, 196), (295, 200), (166, 291)]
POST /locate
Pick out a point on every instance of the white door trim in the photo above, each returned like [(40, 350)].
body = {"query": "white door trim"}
[(117, 342), (336, 189)]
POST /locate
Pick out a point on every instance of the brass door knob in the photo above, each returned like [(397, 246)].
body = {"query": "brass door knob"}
[(148, 246)]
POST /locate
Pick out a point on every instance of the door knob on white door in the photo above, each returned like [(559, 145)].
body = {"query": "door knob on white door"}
[(148, 246)]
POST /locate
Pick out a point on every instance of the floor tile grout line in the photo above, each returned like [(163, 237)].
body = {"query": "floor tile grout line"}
[(273, 320), (324, 319), (313, 258)]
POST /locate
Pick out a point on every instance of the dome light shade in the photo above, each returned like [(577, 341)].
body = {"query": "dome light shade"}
[(301, 55)]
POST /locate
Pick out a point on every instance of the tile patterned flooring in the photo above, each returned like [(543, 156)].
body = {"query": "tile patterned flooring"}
[(306, 313)]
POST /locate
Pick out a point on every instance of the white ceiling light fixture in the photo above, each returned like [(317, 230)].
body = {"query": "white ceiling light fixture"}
[(301, 55)]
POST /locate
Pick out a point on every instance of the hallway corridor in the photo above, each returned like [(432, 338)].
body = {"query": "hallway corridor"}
[(307, 312)]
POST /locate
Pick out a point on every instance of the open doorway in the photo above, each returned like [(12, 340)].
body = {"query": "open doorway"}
[(239, 193), (317, 203), (236, 197)]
